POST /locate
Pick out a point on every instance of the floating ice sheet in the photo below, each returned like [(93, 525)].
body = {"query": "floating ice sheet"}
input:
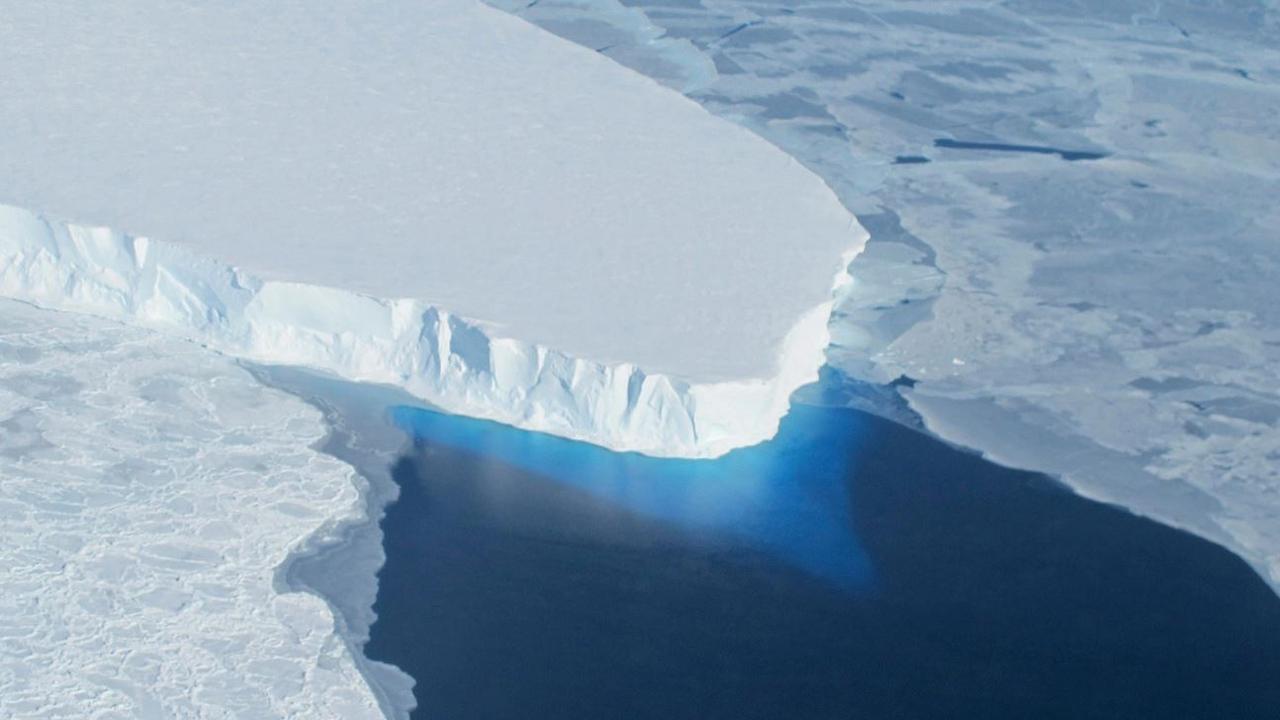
[(539, 194)]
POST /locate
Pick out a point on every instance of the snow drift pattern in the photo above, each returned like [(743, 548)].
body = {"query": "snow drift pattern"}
[(456, 364)]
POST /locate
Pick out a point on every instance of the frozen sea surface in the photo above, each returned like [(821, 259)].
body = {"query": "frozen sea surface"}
[(149, 492), (1077, 269)]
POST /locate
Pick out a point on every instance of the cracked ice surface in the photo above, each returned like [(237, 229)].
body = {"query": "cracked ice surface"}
[(1115, 321), (150, 491)]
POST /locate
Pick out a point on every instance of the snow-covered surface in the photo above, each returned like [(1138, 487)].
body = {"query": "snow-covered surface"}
[(344, 569), (151, 491), (443, 152), (1113, 321)]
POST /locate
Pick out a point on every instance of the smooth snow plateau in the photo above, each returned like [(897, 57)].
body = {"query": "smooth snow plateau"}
[(437, 196)]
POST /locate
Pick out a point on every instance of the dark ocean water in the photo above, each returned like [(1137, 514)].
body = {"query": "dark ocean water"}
[(850, 568)]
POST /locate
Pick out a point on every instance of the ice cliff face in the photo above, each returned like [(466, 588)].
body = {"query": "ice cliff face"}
[(449, 361), (587, 253)]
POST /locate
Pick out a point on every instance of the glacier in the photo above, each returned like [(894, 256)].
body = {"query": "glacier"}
[(436, 196)]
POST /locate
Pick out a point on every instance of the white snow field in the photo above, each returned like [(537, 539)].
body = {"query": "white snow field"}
[(151, 491), (1113, 321), (434, 195)]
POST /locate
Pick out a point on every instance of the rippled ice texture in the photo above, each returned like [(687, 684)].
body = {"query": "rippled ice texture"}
[(149, 490), (1116, 320)]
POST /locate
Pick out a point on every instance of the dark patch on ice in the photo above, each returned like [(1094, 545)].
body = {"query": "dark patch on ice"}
[(20, 435), (1083, 306), (910, 160), (886, 226), (799, 103), (1244, 408), (1195, 430), (1069, 155), (11, 352), (43, 385), (1174, 384), (738, 28)]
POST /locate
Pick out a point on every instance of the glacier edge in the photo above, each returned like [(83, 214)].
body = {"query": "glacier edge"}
[(456, 364)]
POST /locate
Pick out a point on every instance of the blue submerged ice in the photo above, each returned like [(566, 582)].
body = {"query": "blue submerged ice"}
[(787, 497)]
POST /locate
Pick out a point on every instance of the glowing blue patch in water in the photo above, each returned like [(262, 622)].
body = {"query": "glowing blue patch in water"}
[(787, 497)]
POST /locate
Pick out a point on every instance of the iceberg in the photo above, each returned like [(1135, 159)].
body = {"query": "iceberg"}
[(439, 197)]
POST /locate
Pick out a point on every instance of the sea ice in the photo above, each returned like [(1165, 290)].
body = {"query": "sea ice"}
[(151, 491), (435, 195)]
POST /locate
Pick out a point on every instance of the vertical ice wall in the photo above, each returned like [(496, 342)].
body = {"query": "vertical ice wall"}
[(437, 195)]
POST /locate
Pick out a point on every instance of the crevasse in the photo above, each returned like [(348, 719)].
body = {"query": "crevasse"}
[(458, 365)]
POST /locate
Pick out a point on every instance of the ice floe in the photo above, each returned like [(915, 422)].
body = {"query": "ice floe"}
[(151, 492)]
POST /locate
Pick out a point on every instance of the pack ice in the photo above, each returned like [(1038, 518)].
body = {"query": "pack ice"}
[(433, 195)]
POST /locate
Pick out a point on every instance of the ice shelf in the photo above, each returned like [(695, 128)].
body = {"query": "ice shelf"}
[(438, 196)]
